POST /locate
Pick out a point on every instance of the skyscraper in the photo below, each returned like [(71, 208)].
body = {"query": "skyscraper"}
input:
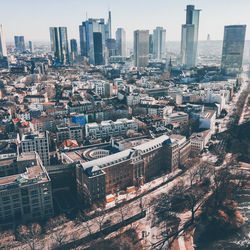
[(108, 30), (233, 48), (59, 44), (30, 47), (189, 37), (73, 46), (150, 43), (159, 42), (121, 42), (19, 43), (141, 48), (92, 40), (3, 50)]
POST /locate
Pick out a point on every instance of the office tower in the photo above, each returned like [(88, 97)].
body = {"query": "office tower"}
[(92, 40), (59, 44), (159, 42), (73, 46), (233, 48), (150, 43), (30, 47), (189, 37), (208, 37), (121, 42), (108, 31), (3, 50), (37, 142), (111, 47), (19, 44), (141, 48)]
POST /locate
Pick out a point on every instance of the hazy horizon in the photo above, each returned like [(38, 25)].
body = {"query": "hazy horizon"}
[(32, 19)]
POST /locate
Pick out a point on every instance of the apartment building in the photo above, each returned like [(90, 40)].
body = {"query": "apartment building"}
[(110, 128), (177, 117), (27, 195), (72, 131), (39, 143)]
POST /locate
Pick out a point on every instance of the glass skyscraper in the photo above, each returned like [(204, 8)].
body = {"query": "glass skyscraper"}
[(92, 40), (189, 37), (141, 48), (159, 42), (121, 42), (233, 48), (59, 44), (19, 43), (3, 50)]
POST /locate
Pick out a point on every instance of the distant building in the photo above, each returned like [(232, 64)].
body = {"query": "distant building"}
[(151, 44), (31, 47), (189, 37), (108, 27), (141, 48), (19, 43), (233, 48), (3, 50), (159, 43), (121, 42), (73, 49), (92, 40), (59, 44), (111, 47)]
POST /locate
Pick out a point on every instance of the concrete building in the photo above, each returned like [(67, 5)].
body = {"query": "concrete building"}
[(70, 131), (110, 128), (26, 195), (177, 117), (199, 140), (189, 37), (141, 48), (3, 50), (39, 143), (233, 49), (159, 43), (121, 42)]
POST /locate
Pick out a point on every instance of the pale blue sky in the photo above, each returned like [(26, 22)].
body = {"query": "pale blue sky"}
[(32, 18)]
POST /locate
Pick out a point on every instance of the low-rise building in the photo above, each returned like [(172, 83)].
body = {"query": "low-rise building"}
[(110, 128)]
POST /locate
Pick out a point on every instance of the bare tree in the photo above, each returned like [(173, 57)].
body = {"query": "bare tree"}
[(59, 237)]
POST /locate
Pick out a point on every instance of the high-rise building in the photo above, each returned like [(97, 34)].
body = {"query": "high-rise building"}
[(73, 46), (59, 44), (30, 46), (19, 43), (3, 50), (141, 48), (233, 48), (159, 42), (151, 44), (111, 47), (92, 40), (189, 37), (108, 30), (121, 42)]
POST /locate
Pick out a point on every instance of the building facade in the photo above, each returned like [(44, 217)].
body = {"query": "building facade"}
[(189, 37), (59, 44), (141, 48), (159, 42), (26, 195), (37, 143), (19, 43), (3, 50), (121, 42), (233, 49)]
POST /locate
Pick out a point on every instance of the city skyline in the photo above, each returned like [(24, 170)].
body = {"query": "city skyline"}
[(169, 15)]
